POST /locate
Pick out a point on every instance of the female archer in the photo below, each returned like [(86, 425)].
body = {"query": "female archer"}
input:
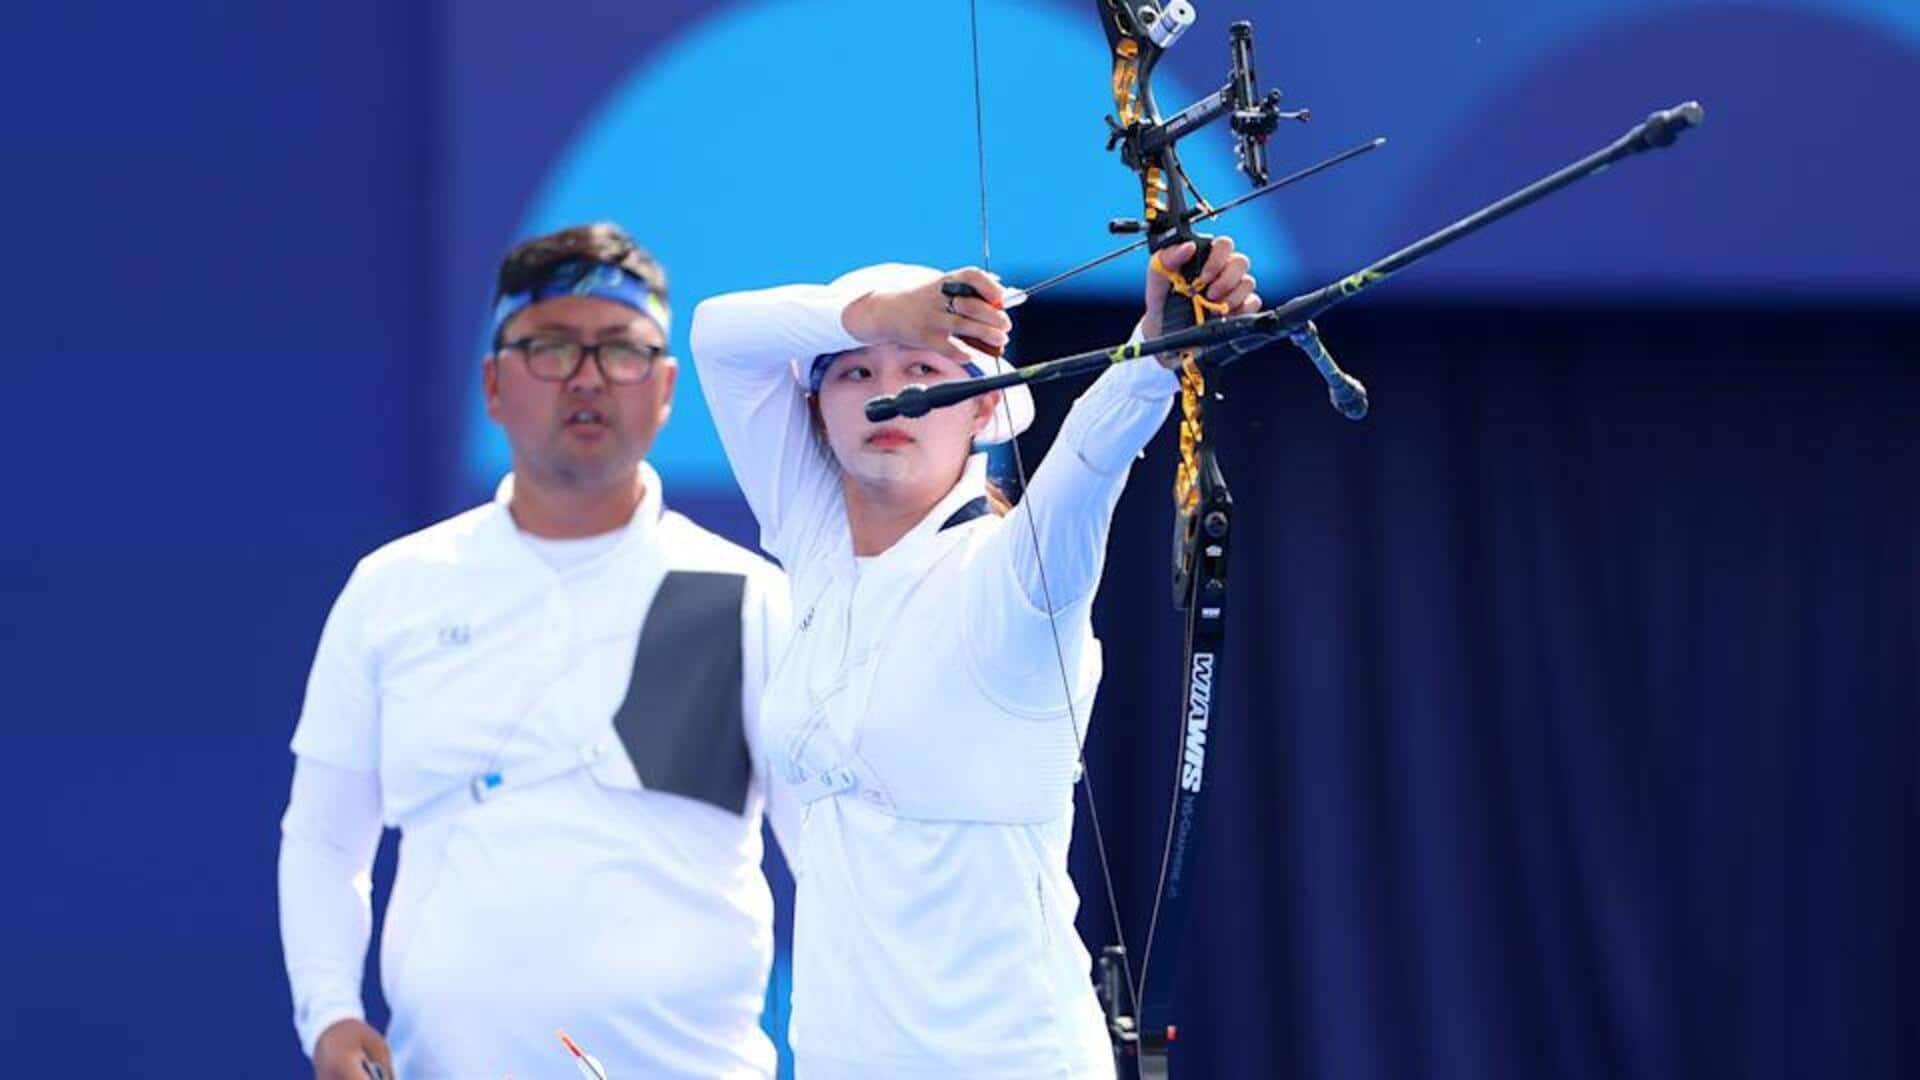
[(927, 711)]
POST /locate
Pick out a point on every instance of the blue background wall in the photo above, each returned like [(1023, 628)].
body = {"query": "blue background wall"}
[(250, 249)]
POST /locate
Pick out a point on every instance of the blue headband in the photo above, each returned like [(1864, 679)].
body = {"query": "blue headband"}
[(818, 373), (578, 277)]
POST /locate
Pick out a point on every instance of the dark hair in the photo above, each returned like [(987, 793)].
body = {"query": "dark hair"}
[(601, 242)]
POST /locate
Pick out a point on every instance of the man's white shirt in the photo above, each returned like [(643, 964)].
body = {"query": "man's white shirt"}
[(464, 691)]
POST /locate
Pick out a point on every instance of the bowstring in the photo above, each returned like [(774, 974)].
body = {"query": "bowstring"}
[(1025, 509)]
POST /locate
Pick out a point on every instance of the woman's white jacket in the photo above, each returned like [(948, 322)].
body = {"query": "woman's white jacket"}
[(922, 717)]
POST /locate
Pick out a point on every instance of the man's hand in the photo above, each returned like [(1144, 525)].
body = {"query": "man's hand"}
[(1225, 278), (923, 318), (338, 1053)]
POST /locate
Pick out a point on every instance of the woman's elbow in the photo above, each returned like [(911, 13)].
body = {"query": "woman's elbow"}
[(709, 316)]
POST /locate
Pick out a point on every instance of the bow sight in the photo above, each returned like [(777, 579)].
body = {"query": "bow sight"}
[(1144, 141)]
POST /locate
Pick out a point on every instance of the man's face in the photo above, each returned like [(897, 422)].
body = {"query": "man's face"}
[(904, 455), (584, 431)]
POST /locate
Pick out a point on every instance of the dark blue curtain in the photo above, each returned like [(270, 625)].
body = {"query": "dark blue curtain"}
[(1567, 722)]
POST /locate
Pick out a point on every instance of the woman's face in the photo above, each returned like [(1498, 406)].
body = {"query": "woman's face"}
[(907, 459)]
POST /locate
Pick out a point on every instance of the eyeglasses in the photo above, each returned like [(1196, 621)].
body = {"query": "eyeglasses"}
[(559, 360)]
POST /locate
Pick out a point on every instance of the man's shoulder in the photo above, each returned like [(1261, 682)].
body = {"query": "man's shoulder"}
[(450, 542), (693, 547)]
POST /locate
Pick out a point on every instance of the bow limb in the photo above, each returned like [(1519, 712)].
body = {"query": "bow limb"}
[(1138, 35)]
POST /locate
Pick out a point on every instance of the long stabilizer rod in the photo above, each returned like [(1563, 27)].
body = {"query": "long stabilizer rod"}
[(1294, 319)]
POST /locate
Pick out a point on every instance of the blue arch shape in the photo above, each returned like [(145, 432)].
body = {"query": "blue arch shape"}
[(872, 157)]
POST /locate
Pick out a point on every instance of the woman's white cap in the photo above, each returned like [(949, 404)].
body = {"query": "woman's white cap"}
[(1010, 418)]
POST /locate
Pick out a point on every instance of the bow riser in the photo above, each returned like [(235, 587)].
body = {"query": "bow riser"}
[(1137, 37), (1145, 143)]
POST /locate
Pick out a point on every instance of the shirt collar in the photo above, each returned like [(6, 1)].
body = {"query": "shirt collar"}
[(642, 528)]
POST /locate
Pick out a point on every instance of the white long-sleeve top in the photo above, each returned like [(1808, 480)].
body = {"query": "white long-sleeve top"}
[(636, 919), (921, 715)]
